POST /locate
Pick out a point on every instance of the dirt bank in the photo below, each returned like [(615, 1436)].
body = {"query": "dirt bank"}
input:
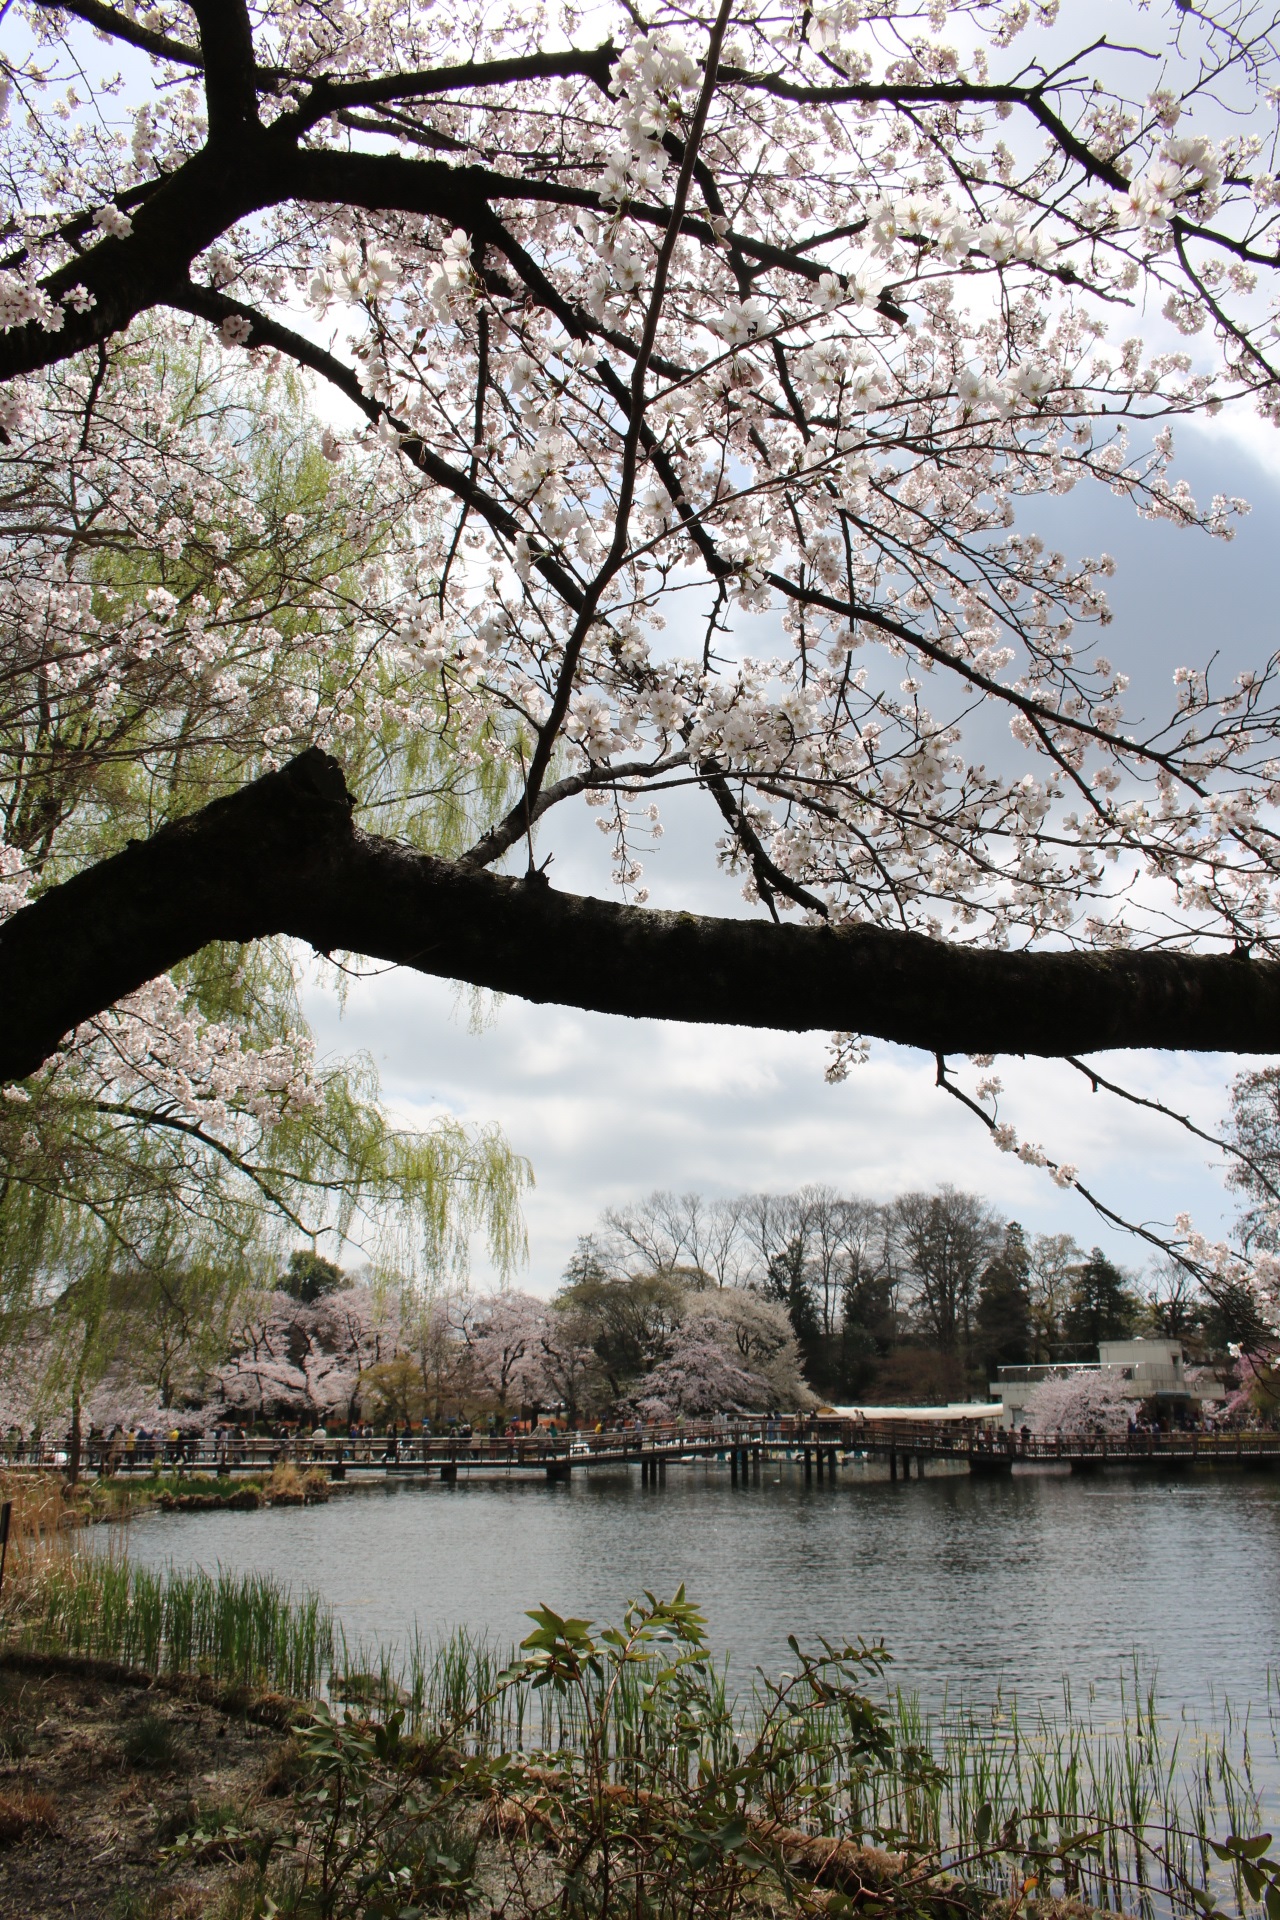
[(100, 1773)]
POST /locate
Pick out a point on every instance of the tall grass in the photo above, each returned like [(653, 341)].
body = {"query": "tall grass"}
[(1154, 1787), (236, 1628), (1148, 1773)]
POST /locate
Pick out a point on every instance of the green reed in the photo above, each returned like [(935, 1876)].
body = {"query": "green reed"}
[(1153, 1788), (237, 1628)]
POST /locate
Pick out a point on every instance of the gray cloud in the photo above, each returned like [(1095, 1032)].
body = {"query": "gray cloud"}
[(608, 1109)]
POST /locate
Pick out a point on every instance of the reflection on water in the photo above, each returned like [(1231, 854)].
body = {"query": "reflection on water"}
[(975, 1585)]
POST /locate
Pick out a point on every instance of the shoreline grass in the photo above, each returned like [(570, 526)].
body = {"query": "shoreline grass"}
[(1154, 1790)]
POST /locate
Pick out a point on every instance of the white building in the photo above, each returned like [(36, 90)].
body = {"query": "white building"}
[(1146, 1369)]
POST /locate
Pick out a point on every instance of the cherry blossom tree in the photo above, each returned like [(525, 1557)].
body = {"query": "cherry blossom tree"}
[(1089, 1402), (504, 1333), (698, 1378), (293, 1360), (757, 1334), (707, 371), (733, 1352), (1257, 1391)]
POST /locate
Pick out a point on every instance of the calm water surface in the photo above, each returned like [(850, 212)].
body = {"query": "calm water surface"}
[(975, 1585)]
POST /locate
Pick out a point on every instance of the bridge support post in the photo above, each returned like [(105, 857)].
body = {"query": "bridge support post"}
[(808, 1464), (893, 1464), (448, 1471), (733, 1466), (919, 1466), (662, 1473)]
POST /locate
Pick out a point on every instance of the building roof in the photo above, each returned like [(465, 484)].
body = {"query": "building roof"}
[(955, 1410)]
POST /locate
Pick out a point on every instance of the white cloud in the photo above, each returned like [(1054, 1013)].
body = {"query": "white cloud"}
[(1237, 430), (608, 1109)]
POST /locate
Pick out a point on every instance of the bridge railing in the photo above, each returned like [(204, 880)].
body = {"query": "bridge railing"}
[(259, 1453), (905, 1437)]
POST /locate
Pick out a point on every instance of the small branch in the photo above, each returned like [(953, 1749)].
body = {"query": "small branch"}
[(1097, 1080), (1138, 1229), (504, 836), (151, 1117), (216, 307), (549, 732), (120, 27)]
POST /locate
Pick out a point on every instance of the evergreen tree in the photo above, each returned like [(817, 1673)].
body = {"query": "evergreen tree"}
[(1004, 1304), (1101, 1306), (1231, 1318), (309, 1276), (790, 1281), (868, 1328)]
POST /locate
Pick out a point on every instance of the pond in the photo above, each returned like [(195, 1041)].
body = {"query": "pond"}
[(979, 1587)]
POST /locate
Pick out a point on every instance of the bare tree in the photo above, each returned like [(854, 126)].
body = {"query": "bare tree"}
[(944, 1240), (1053, 1259), (1175, 1303), (825, 1215), (656, 1234), (722, 1250)]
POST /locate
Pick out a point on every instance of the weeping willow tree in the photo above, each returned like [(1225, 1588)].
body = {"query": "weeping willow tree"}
[(190, 586)]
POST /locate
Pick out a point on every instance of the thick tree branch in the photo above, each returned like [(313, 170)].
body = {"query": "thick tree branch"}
[(246, 170), (120, 27), (328, 95), (960, 93), (230, 75), (186, 212), (282, 856)]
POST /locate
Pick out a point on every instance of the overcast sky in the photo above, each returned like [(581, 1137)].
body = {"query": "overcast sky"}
[(608, 1109)]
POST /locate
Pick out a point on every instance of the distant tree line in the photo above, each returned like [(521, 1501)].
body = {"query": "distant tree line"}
[(918, 1298), (314, 1345), (675, 1305)]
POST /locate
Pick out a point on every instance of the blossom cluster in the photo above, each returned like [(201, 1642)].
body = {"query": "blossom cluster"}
[(736, 491)]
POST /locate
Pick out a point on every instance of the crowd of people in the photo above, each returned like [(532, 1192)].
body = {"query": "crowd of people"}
[(225, 1445)]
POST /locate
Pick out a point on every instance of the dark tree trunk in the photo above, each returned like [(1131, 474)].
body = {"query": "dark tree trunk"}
[(282, 856), (76, 1448)]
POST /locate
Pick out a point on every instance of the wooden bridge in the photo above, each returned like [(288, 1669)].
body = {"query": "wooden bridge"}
[(818, 1446)]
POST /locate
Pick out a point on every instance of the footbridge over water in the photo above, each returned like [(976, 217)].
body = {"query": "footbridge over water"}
[(819, 1446)]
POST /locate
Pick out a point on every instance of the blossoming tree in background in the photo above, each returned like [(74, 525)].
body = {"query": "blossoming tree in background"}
[(698, 379), (1090, 1402), (503, 1335)]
